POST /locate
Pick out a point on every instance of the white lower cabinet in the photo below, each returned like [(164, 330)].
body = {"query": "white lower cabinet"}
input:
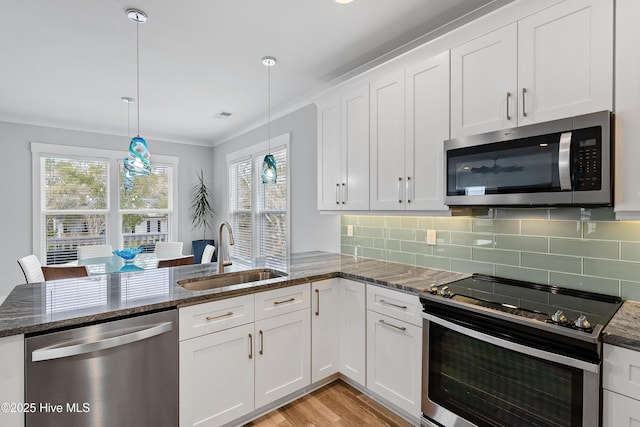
[(353, 330), (283, 346), (230, 373), (394, 360), (621, 387), (12, 378), (325, 311), (217, 377)]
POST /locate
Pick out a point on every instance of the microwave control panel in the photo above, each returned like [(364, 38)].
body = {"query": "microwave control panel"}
[(588, 165)]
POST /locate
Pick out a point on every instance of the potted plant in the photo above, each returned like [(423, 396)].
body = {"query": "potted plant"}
[(202, 213)]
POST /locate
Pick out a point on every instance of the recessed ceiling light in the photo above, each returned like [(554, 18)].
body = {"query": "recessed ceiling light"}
[(343, 1)]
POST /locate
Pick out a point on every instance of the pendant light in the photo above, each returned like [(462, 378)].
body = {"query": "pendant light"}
[(138, 163), (269, 169), (128, 177)]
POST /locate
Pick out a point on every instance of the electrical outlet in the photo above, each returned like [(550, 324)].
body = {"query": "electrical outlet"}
[(431, 237), (350, 230)]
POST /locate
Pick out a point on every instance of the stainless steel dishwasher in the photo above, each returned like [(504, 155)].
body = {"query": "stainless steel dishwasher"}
[(117, 373)]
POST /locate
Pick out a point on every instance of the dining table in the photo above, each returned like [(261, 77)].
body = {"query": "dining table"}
[(115, 264)]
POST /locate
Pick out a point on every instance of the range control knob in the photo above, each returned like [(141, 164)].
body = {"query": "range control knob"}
[(582, 322), (445, 292), (559, 318), (433, 289)]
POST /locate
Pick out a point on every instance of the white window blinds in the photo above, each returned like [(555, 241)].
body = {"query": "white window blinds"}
[(272, 214), (240, 191), (259, 212)]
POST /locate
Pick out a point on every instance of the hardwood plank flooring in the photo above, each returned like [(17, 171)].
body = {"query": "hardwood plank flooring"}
[(336, 404)]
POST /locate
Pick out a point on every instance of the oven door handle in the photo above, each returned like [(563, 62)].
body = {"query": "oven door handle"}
[(541, 354)]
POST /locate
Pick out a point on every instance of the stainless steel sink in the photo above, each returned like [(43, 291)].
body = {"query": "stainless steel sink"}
[(228, 279)]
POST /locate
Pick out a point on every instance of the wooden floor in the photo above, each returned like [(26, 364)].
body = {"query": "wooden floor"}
[(336, 404)]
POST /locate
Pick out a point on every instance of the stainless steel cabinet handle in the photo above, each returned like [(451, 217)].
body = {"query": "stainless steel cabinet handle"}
[(524, 111), (399, 189), (261, 343), (403, 307), (401, 328), (409, 189), (230, 313), (508, 96), (250, 346), (282, 302), (344, 193), (318, 305), (63, 350), (337, 194)]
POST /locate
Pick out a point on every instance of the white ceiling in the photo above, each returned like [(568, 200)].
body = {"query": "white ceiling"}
[(67, 63)]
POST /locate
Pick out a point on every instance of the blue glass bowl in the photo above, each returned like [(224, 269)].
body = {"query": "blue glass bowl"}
[(128, 254)]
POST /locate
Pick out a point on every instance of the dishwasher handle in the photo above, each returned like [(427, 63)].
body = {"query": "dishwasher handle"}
[(69, 348)]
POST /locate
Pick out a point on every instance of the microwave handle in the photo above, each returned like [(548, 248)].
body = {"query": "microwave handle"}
[(564, 161)]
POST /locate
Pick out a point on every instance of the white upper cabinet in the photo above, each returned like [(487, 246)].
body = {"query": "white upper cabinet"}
[(484, 83), (409, 123), (627, 118), (343, 150), (329, 154), (427, 127), (565, 61), (387, 143), (553, 64)]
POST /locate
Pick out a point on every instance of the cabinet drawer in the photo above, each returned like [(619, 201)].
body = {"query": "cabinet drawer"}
[(396, 304), (621, 371), (281, 301), (197, 320), (619, 410)]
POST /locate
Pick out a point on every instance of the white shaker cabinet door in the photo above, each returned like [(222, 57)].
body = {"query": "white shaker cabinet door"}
[(627, 124), (325, 311), (329, 154), (216, 377), (394, 361), (387, 143), (484, 83), (427, 127), (353, 329), (354, 188), (282, 356), (565, 61)]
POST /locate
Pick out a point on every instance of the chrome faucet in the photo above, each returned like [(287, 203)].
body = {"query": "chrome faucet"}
[(221, 261)]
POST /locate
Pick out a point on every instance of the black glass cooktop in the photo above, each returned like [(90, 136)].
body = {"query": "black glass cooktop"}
[(531, 300)]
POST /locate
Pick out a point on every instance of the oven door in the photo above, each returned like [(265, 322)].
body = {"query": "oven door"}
[(471, 378)]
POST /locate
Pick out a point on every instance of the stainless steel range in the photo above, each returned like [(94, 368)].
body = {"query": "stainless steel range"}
[(501, 352)]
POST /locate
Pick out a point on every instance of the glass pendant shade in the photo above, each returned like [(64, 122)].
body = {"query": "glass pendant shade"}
[(269, 170)]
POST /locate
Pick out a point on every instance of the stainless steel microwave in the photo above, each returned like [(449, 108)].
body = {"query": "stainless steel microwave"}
[(567, 162)]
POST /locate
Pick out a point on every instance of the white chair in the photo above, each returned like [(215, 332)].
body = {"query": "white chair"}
[(94, 251), (31, 268), (207, 254), (166, 250)]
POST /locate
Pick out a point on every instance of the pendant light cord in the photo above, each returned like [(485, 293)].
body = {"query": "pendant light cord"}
[(269, 106), (138, 72)]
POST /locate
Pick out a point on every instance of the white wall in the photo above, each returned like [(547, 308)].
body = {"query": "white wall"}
[(15, 190), (309, 229)]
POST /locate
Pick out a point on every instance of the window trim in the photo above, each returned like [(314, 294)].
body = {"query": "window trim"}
[(253, 151), (113, 158)]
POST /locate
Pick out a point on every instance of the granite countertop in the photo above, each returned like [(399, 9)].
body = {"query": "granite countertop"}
[(46, 306), (623, 329)]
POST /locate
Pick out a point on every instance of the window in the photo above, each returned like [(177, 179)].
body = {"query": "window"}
[(145, 209), (259, 212), (79, 200)]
